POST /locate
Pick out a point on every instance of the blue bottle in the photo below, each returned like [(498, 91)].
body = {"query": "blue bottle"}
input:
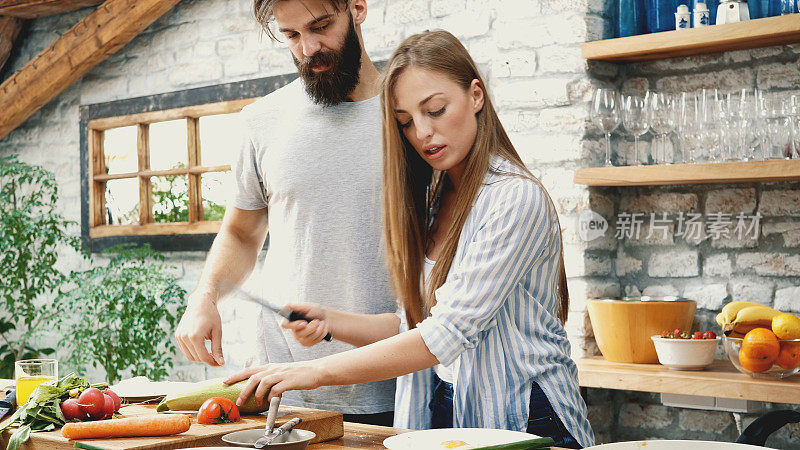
[(712, 9), (660, 15), (788, 7), (774, 8), (754, 7), (779, 7), (630, 18)]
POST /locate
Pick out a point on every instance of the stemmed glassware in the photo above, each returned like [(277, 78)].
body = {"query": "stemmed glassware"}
[(635, 119), (689, 129), (606, 115), (663, 119), (709, 125), (793, 117)]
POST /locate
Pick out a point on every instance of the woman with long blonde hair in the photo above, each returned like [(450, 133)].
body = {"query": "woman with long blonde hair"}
[(475, 255)]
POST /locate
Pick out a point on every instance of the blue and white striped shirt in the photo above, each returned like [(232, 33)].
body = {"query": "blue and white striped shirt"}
[(496, 320)]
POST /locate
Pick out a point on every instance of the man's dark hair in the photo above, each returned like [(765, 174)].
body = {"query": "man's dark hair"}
[(263, 10)]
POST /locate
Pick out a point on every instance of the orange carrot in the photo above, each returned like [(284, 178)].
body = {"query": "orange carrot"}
[(149, 425)]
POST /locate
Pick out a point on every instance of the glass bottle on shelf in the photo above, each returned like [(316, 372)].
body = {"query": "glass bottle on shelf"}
[(754, 7), (630, 18), (660, 15)]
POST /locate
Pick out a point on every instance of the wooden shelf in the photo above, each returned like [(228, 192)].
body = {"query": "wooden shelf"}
[(725, 172), (721, 379), (697, 41)]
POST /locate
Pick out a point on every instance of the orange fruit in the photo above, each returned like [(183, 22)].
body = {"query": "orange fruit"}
[(760, 344), (753, 365), (789, 356)]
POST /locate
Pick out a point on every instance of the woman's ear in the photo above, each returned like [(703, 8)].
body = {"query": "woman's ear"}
[(476, 92)]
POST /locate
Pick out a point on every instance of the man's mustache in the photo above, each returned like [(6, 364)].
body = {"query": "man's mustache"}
[(327, 58)]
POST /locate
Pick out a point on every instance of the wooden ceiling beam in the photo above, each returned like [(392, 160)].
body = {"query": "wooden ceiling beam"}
[(70, 57), (29, 9), (9, 30)]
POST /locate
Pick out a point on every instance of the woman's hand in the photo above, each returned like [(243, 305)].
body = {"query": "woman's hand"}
[(308, 333), (273, 380)]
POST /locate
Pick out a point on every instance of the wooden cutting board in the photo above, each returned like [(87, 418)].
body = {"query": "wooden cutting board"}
[(327, 425)]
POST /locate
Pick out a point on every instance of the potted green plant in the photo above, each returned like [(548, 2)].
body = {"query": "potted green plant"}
[(32, 234), (121, 315)]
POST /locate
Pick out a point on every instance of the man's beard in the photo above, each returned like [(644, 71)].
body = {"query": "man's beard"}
[(333, 85)]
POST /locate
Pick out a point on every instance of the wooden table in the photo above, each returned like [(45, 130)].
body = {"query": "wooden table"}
[(359, 436), (356, 435), (720, 379)]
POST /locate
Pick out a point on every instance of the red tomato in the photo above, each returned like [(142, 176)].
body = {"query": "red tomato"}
[(697, 335), (218, 410), (677, 333), (709, 335)]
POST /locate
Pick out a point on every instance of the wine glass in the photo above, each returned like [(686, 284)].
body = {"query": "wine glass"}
[(663, 119), (689, 126), (605, 115), (635, 120), (720, 121), (793, 116)]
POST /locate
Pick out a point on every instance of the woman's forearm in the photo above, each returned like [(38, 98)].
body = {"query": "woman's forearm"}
[(389, 358), (361, 329)]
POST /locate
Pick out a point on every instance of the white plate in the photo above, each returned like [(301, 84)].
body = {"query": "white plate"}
[(475, 437), (246, 438), (671, 445)]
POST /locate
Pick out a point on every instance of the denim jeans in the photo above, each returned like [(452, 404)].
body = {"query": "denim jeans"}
[(441, 404), (542, 421)]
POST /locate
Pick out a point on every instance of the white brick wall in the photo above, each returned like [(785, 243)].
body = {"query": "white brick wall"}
[(530, 53)]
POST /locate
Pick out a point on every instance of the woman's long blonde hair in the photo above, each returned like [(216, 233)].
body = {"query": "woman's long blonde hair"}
[(409, 184)]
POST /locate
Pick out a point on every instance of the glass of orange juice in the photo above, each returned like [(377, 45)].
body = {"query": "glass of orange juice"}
[(30, 373)]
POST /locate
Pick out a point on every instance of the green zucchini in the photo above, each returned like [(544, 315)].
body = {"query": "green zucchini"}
[(192, 399), (522, 445)]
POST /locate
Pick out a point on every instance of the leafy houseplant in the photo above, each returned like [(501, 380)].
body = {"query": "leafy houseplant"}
[(32, 234), (121, 315)]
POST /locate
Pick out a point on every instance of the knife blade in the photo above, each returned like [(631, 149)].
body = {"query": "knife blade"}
[(7, 404), (265, 440), (284, 312)]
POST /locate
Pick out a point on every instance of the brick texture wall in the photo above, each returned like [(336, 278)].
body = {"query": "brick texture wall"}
[(529, 51)]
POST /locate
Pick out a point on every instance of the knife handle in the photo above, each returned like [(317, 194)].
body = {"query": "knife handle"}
[(294, 315)]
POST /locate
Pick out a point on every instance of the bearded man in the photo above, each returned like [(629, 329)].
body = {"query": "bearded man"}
[(310, 166)]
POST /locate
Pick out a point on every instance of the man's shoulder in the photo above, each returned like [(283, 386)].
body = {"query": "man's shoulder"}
[(276, 102)]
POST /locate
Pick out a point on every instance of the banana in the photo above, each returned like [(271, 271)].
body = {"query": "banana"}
[(729, 312), (750, 317)]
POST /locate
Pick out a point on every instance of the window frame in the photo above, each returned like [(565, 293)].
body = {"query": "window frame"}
[(190, 104)]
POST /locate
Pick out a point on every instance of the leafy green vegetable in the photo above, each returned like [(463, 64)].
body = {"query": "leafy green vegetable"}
[(43, 410)]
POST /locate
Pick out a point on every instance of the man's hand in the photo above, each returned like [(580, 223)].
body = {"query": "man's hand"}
[(308, 333), (201, 322), (273, 380)]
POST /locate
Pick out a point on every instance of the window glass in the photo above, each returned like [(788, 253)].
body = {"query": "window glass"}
[(168, 148), (119, 146), (219, 139), (216, 192), (122, 202), (170, 199)]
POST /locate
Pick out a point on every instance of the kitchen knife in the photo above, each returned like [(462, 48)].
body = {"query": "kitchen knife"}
[(265, 440), (7, 404), (284, 312)]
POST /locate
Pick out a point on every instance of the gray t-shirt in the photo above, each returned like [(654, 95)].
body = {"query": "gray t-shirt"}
[(318, 171)]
